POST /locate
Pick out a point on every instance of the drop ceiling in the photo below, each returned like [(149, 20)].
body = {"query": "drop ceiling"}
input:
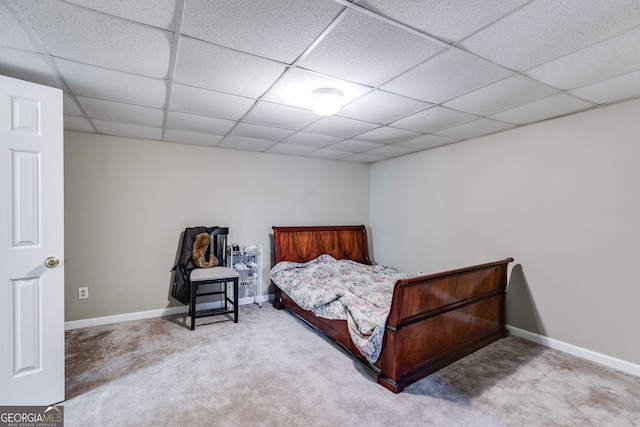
[(238, 74)]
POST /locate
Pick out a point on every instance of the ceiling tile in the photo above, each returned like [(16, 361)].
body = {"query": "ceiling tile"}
[(617, 89), (122, 113), (503, 95), (157, 13), (433, 119), (192, 138), (127, 130), (425, 142), (365, 50), (474, 129), (546, 29), (201, 124), (276, 29), (249, 130), (267, 113), (97, 82), (290, 149), (190, 99), (213, 67), (555, 105), (381, 107), (78, 124), (12, 33), (340, 126), (445, 20), (611, 58), (32, 67), (391, 151), (296, 88), (445, 76), (245, 144), (311, 139), (386, 135), (354, 146), (71, 107), (99, 39), (324, 153), (363, 158)]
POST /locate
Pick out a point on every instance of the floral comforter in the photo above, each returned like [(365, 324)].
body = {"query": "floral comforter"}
[(342, 289)]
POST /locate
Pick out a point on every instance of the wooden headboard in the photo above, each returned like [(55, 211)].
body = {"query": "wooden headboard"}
[(301, 244)]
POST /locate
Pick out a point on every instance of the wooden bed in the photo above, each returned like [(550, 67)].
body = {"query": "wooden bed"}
[(434, 319)]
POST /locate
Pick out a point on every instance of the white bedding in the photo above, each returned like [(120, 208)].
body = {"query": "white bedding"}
[(343, 289)]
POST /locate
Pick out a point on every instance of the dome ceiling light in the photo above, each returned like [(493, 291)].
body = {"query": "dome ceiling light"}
[(326, 101)]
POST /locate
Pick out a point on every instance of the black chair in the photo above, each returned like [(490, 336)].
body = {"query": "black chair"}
[(220, 275)]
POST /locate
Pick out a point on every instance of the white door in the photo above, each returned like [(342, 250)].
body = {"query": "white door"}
[(31, 244)]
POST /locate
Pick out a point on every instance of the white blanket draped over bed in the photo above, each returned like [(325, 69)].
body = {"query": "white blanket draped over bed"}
[(342, 289)]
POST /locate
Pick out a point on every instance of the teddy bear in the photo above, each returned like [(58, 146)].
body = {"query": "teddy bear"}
[(199, 250)]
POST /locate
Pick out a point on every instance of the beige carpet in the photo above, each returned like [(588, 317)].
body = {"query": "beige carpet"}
[(272, 370)]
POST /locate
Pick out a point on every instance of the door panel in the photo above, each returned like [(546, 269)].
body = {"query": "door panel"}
[(25, 318), (31, 231)]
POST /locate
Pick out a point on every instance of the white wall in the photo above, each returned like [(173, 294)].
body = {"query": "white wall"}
[(561, 197), (127, 201)]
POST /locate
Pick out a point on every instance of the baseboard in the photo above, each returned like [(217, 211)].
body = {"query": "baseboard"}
[(169, 311), (603, 359)]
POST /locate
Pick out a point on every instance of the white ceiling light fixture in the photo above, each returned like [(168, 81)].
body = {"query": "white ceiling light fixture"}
[(326, 101)]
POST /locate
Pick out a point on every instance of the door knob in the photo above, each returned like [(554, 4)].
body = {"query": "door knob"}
[(51, 262)]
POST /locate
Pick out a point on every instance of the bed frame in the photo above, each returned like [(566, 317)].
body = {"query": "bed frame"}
[(434, 319)]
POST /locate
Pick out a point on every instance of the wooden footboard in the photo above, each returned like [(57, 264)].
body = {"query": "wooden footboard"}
[(434, 319), (440, 318)]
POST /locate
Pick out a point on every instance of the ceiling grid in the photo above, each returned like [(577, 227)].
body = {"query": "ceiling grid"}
[(238, 74)]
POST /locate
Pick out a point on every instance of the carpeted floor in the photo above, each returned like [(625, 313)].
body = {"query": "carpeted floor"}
[(270, 369)]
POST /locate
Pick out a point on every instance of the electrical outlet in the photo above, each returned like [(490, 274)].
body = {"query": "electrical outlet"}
[(83, 293)]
